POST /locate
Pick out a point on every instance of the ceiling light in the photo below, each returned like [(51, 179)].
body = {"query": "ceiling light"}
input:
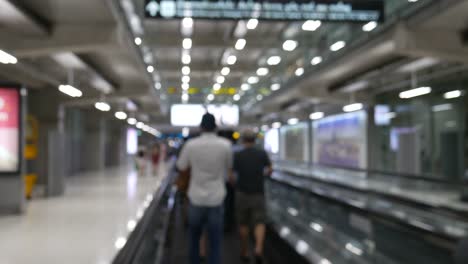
[(7, 58), (252, 80), (293, 121), (186, 79), (187, 43), (316, 60), (259, 97), (186, 59), (245, 87), (252, 23), (289, 45), (120, 243), (216, 86), (276, 125), (220, 79), (453, 94), (231, 60), (236, 97), (415, 92), (225, 71), (121, 115), (186, 70), (262, 71), (185, 97), (353, 107), (132, 121), (240, 44), (187, 22), (311, 25), (353, 249), (275, 87), (150, 69), (274, 60), (140, 125), (265, 127), (369, 26), (442, 107), (138, 41), (101, 106), (185, 86), (338, 45), (157, 85), (299, 71), (70, 90), (210, 97), (316, 115)]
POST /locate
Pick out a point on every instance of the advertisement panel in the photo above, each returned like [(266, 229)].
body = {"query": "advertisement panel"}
[(341, 140), (10, 153), (295, 142), (271, 143), (190, 115)]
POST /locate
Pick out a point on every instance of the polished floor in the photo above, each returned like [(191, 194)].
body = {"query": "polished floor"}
[(84, 225)]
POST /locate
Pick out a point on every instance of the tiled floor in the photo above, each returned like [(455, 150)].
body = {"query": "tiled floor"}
[(83, 225)]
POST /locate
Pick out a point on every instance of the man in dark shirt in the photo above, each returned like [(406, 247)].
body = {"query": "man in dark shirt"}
[(251, 165)]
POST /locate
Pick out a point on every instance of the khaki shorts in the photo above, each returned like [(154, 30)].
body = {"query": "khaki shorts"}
[(250, 209)]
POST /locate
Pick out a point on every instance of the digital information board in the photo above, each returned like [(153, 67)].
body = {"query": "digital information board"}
[(10, 130), (324, 10), (190, 115)]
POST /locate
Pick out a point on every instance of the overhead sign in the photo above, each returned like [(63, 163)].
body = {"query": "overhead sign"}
[(190, 115), (329, 10), (9, 130)]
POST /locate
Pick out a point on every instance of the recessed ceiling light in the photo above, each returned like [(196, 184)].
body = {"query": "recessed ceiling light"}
[(216, 86), (120, 115), (259, 97), (289, 45), (316, 115), (138, 41), (236, 97), (338, 45), (150, 69), (275, 87), (225, 71), (311, 25), (262, 71), (186, 59), (185, 97), (185, 86), (452, 94), (245, 87), (220, 79), (276, 125), (187, 22), (132, 121), (231, 60), (186, 70), (293, 121), (185, 79), (70, 90), (252, 23), (274, 60), (102, 106), (157, 85), (316, 60), (252, 79), (240, 44), (299, 71), (187, 43), (353, 107), (415, 92), (210, 97), (369, 26)]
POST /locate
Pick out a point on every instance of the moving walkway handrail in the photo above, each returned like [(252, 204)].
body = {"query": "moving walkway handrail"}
[(129, 253)]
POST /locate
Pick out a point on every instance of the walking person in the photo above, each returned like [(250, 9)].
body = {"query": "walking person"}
[(251, 166), (208, 158)]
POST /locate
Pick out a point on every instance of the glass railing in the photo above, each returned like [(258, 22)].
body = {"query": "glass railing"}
[(332, 226)]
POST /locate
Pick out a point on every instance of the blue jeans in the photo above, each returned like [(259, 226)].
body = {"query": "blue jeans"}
[(209, 219)]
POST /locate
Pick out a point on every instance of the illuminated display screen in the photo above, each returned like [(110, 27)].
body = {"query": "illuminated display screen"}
[(190, 115), (295, 142), (132, 141), (272, 141), (9, 130)]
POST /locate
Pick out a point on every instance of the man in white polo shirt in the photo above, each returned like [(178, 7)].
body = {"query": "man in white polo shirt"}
[(208, 158)]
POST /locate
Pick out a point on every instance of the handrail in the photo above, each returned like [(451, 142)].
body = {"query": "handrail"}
[(130, 252)]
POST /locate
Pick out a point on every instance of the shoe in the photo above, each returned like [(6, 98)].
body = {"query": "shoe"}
[(245, 259), (259, 260)]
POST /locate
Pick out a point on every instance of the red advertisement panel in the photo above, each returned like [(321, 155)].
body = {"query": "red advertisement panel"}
[(9, 130)]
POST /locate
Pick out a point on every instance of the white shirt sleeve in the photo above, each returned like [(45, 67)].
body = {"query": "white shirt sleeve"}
[(183, 162)]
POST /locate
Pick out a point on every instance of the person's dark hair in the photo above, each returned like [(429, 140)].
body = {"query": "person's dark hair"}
[(249, 136), (208, 123)]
